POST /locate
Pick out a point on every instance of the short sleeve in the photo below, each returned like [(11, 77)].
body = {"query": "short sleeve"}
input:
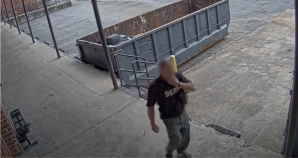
[(151, 96), (182, 78)]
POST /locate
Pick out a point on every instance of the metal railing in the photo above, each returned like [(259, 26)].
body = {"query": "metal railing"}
[(140, 72), (147, 78), (120, 69), (41, 4)]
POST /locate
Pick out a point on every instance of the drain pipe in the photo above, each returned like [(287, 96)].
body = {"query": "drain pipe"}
[(293, 120), (104, 44)]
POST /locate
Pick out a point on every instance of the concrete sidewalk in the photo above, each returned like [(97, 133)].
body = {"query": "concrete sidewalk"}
[(245, 87), (74, 112)]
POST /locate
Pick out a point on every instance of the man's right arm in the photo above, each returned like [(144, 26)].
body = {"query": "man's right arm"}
[(151, 115), (151, 100)]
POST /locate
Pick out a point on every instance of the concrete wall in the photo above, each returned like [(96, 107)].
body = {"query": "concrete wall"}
[(9, 137), (39, 13)]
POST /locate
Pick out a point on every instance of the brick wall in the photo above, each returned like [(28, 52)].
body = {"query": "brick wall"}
[(31, 5), (9, 137), (5, 152)]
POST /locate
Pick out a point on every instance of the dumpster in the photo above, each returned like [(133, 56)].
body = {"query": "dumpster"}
[(183, 29)]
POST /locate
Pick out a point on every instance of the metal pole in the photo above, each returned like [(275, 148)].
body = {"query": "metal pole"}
[(293, 121), (15, 17), (6, 13), (104, 44), (119, 71), (137, 82), (51, 28), (25, 11), (286, 129)]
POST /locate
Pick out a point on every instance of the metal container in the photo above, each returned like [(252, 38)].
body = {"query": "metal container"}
[(183, 29)]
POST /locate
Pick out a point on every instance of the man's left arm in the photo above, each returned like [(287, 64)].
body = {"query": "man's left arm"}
[(185, 83)]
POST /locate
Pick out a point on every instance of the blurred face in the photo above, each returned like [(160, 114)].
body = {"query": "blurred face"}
[(166, 70)]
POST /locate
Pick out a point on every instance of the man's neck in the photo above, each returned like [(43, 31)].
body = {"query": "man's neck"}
[(163, 78)]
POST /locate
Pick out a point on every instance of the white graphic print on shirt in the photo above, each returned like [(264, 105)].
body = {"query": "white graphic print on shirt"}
[(171, 92)]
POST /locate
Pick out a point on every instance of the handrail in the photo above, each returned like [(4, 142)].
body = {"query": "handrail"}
[(128, 55), (148, 78), (127, 70), (118, 66), (148, 62), (145, 78)]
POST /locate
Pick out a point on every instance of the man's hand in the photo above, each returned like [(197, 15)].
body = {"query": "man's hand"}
[(174, 81), (155, 128)]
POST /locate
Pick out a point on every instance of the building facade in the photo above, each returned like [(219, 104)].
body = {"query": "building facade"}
[(10, 146)]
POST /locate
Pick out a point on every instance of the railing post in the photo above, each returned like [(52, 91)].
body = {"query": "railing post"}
[(208, 21), (119, 71), (198, 29), (184, 26), (104, 44), (218, 17), (25, 12), (147, 72), (7, 14), (15, 17), (156, 50), (51, 28), (170, 32), (136, 78)]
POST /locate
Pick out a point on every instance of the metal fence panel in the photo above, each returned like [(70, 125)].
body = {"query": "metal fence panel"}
[(183, 38)]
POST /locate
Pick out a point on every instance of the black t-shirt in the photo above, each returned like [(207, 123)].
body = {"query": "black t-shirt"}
[(171, 100)]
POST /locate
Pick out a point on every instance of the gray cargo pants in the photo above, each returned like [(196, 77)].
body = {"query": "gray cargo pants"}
[(178, 132)]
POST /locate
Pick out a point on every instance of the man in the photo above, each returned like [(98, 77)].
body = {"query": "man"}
[(169, 91)]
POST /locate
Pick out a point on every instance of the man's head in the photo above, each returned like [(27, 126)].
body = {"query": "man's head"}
[(166, 70)]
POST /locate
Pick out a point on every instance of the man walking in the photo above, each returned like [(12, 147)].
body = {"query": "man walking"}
[(169, 92)]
